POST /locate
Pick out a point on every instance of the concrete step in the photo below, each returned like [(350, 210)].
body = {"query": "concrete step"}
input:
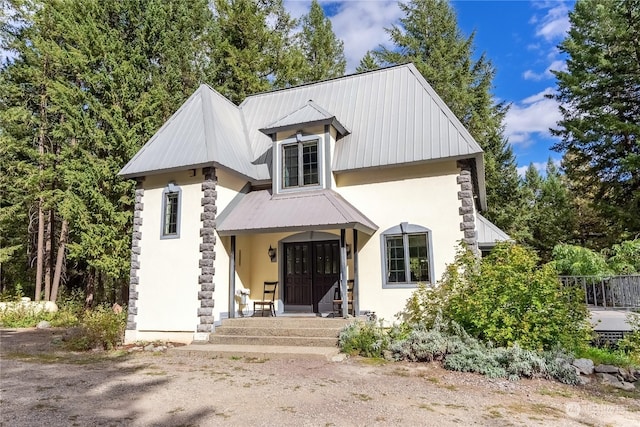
[(273, 340), (227, 329), (258, 352), (287, 322)]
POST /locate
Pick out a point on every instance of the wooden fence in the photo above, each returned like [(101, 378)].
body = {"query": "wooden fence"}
[(614, 292)]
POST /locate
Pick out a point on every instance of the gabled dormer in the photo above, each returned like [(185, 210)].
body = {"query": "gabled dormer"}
[(303, 143)]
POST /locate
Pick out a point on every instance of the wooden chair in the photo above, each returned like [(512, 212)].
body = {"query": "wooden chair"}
[(337, 299), (268, 299)]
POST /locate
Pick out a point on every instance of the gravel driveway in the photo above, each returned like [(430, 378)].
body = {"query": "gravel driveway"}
[(43, 386)]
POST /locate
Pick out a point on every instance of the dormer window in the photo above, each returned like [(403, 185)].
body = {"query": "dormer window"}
[(300, 164)]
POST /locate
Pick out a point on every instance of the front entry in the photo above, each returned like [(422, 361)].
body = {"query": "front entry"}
[(310, 271)]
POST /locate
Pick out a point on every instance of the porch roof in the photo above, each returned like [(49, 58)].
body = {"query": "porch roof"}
[(489, 233), (261, 212)]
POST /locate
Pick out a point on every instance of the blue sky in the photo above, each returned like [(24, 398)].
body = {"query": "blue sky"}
[(520, 37)]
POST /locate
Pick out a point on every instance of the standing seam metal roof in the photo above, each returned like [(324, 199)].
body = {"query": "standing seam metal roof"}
[(207, 129), (488, 232), (259, 211), (394, 116)]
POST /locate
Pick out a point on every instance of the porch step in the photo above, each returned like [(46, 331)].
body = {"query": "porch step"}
[(269, 331), (287, 322), (279, 331), (274, 340)]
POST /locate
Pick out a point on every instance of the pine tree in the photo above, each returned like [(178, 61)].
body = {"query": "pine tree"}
[(92, 80), (323, 51), (428, 36), (253, 48), (601, 109), (367, 63), (551, 209)]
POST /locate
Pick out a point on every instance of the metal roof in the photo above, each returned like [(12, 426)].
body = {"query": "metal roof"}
[(260, 212), (488, 232), (394, 115), (206, 130), (309, 115)]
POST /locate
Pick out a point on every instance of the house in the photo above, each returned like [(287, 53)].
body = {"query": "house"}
[(368, 177)]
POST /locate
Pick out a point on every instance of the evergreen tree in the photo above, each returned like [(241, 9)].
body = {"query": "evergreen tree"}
[(93, 80), (323, 51), (553, 219), (253, 48), (428, 36), (601, 109), (367, 63)]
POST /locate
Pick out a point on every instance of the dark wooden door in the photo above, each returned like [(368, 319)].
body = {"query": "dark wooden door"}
[(297, 274), (310, 271)]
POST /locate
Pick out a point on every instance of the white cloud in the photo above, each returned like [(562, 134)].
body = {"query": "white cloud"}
[(360, 24), (554, 24), (531, 116), (556, 65), (541, 167)]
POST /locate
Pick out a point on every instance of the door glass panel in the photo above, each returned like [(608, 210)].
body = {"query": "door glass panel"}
[(305, 259), (289, 260)]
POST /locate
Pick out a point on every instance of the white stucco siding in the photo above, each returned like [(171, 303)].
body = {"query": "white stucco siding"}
[(425, 195), (168, 275), (228, 187)]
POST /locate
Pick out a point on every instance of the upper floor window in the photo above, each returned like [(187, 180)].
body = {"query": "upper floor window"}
[(300, 164), (171, 211), (407, 255)]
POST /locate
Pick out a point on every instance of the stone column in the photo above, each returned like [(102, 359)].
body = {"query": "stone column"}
[(136, 237), (208, 254), (466, 210)]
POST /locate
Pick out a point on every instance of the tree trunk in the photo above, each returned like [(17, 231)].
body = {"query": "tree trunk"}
[(40, 251), (41, 136), (90, 289), (64, 231), (47, 257)]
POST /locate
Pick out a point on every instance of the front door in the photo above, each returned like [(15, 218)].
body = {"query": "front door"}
[(310, 271)]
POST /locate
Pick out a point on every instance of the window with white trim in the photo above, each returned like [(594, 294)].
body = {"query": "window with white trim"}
[(300, 164), (171, 198), (407, 255)]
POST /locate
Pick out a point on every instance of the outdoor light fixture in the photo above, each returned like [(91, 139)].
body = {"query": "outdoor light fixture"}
[(348, 251), (272, 254)]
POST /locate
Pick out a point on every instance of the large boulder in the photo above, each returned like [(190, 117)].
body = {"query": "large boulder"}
[(585, 366), (611, 380), (606, 369)]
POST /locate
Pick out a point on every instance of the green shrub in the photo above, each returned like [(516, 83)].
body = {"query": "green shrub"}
[(367, 339), (23, 316), (506, 299), (573, 260), (461, 352), (625, 257), (607, 356), (100, 327), (630, 344)]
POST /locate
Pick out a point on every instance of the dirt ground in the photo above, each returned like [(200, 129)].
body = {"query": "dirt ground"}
[(41, 385)]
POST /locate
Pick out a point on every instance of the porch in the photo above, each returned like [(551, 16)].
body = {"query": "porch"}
[(306, 241)]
